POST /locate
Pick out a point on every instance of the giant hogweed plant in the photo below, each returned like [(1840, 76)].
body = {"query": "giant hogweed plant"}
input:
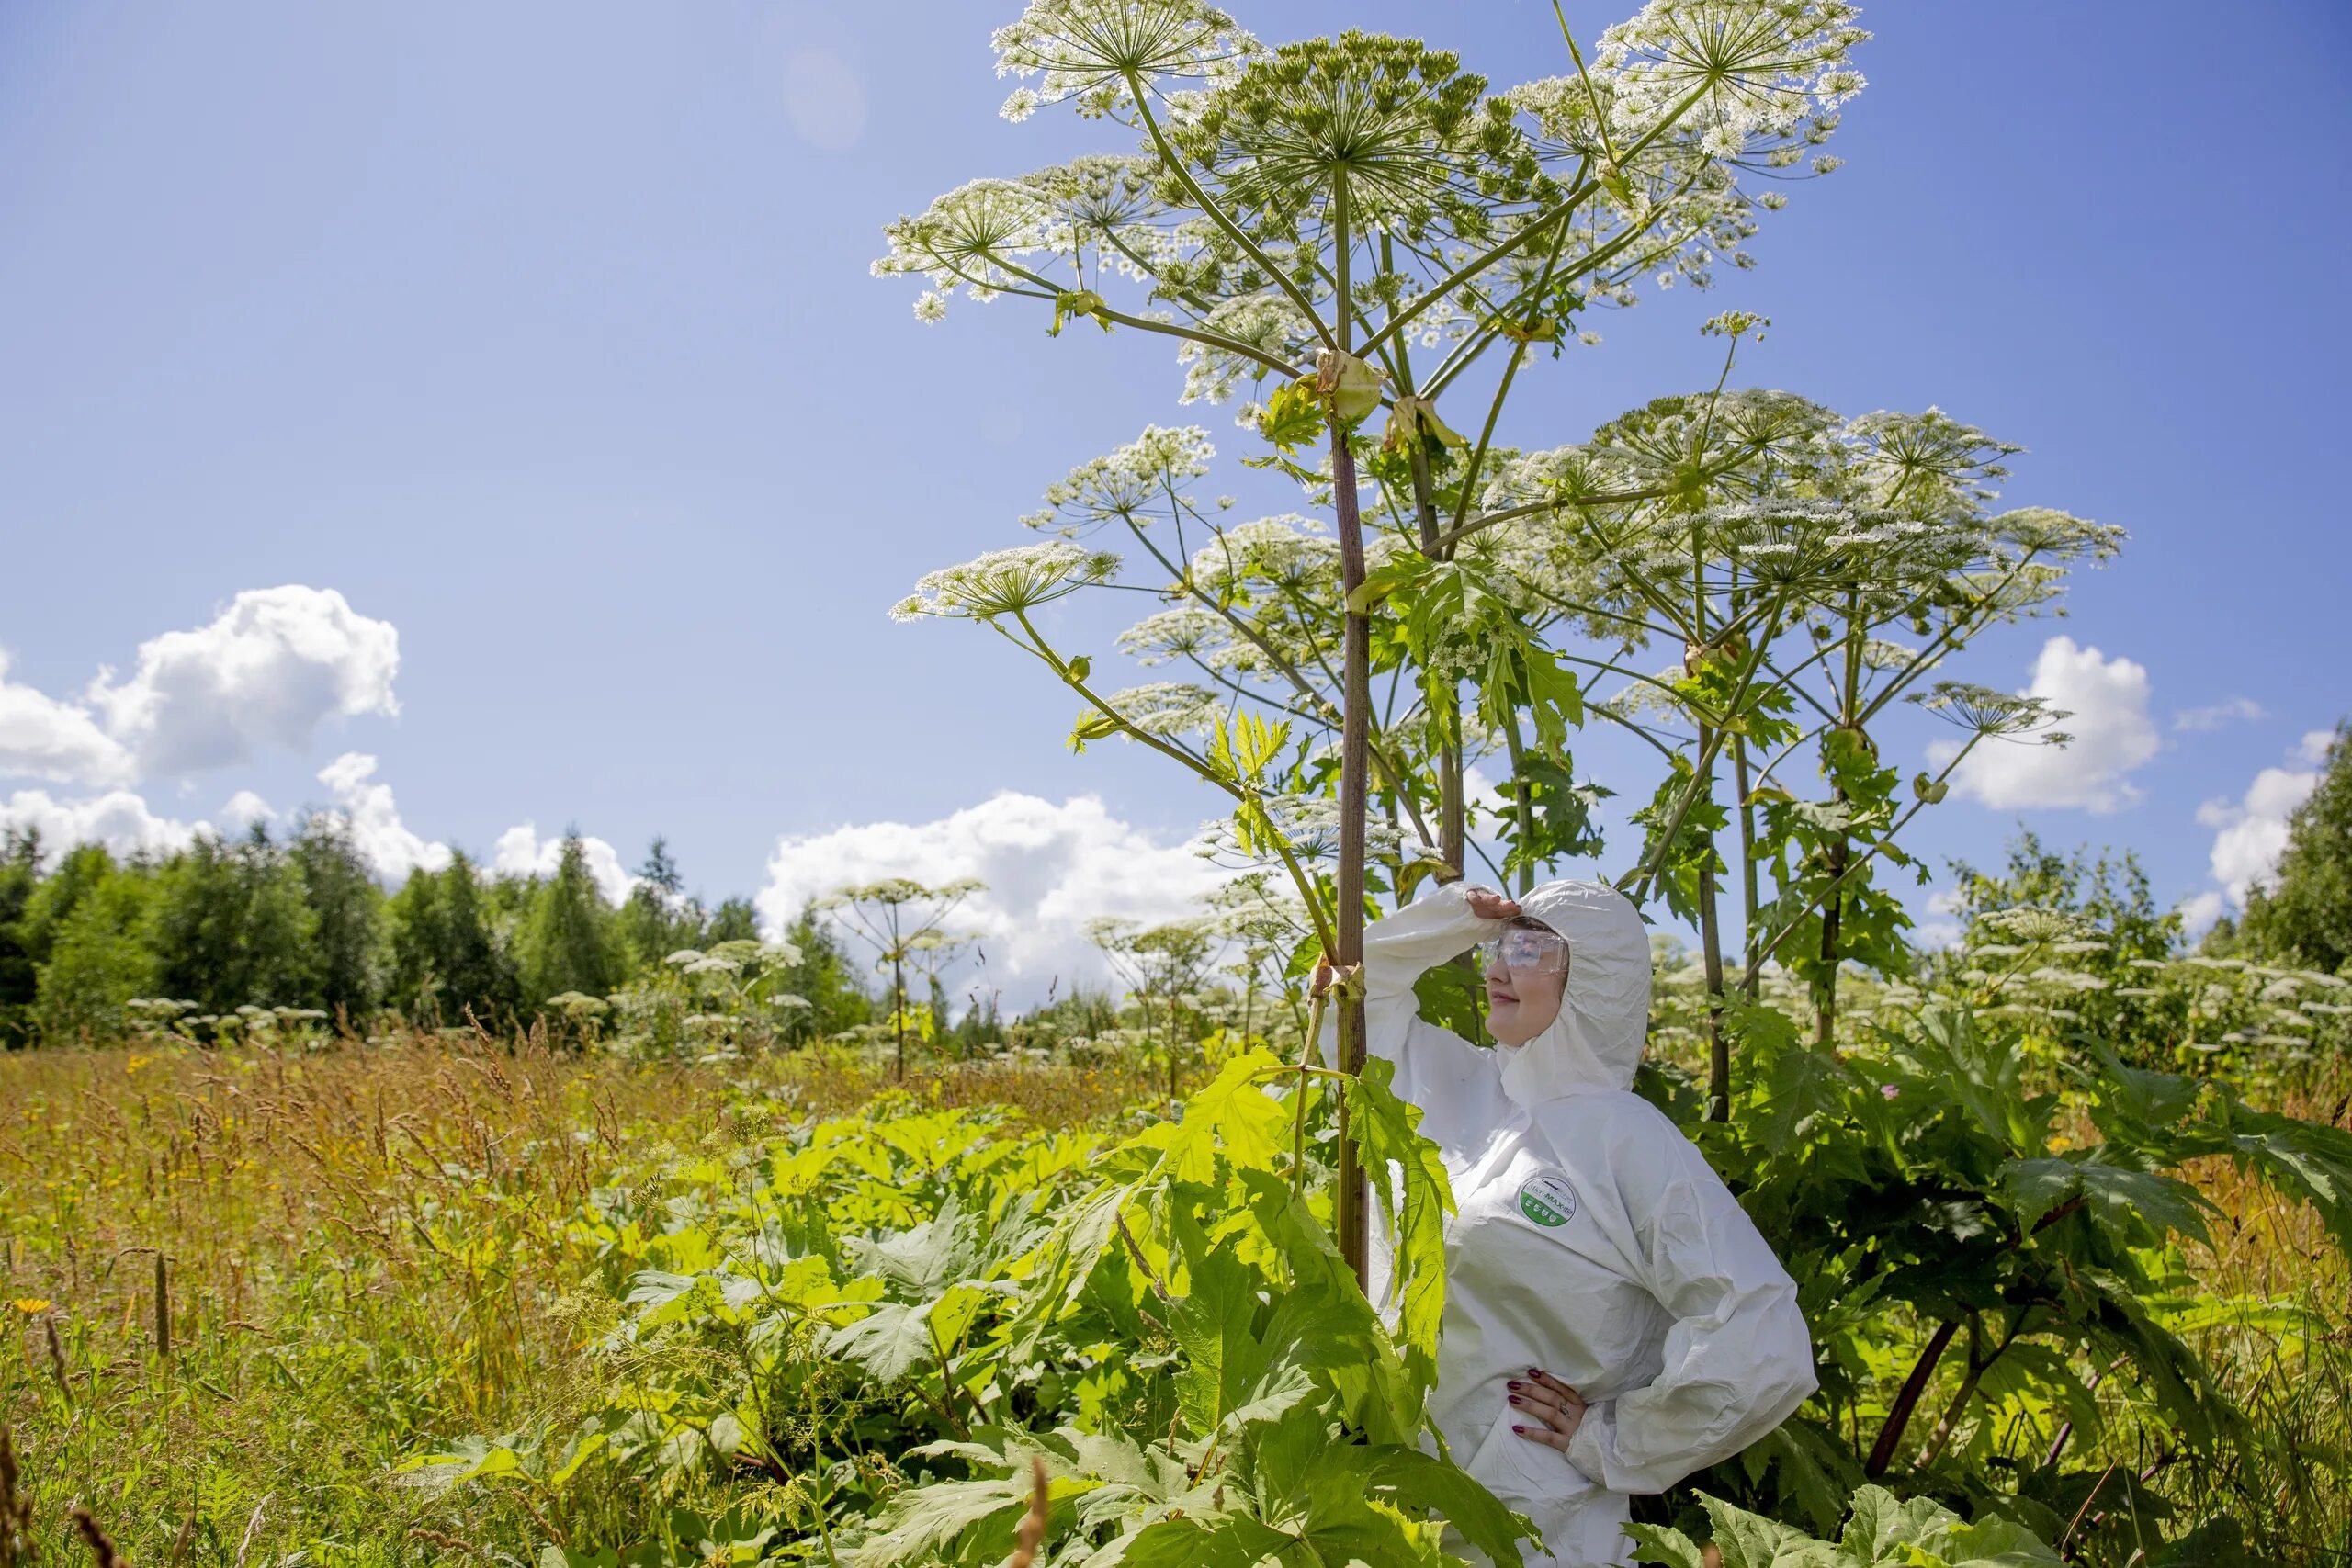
[(1776, 544), (871, 1333), (1782, 550), (1309, 215)]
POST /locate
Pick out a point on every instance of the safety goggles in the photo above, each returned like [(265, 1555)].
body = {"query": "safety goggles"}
[(1524, 950)]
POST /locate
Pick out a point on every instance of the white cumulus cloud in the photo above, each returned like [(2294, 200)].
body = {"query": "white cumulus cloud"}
[(1049, 870), (59, 742), (2251, 831), (383, 840), (2106, 701), (118, 819), (245, 808), (268, 670), (2198, 911), (520, 852)]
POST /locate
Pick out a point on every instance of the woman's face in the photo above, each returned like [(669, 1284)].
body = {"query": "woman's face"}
[(1527, 969)]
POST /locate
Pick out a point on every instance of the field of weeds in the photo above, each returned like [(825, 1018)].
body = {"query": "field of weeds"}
[(242, 1287)]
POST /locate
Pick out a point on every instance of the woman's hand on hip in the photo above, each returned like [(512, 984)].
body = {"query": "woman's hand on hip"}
[(1556, 1410), (1489, 905)]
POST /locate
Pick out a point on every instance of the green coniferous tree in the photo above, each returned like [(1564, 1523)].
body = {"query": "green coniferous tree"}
[(19, 877), (570, 938), (231, 926), (735, 921), (660, 868), (659, 920), (2305, 916), (347, 909), (481, 980), (447, 964), (417, 924)]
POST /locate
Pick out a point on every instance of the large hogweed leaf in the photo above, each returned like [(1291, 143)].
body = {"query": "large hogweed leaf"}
[(1415, 1197), (1882, 1531)]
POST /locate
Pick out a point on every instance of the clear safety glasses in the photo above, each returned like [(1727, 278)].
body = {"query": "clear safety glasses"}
[(1523, 951)]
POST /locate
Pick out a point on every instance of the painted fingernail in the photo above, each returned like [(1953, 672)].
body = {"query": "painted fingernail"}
[(1520, 1430), (1535, 1372), (1514, 1382), (1516, 1400)]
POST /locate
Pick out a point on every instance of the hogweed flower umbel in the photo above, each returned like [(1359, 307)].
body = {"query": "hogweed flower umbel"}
[(1006, 582), (1089, 54)]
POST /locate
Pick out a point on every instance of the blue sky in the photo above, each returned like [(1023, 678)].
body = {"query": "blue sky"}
[(543, 336)]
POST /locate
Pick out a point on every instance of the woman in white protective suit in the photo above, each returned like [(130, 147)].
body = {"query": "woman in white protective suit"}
[(1612, 1320)]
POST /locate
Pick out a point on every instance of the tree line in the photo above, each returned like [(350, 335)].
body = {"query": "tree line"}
[(301, 921)]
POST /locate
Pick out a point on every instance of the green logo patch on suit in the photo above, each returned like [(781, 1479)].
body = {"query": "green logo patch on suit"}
[(1547, 1200)]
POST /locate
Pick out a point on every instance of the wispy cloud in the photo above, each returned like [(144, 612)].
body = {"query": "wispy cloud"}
[(2236, 710)]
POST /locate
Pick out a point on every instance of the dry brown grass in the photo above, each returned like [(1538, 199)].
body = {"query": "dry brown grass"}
[(361, 1249), (2289, 1373)]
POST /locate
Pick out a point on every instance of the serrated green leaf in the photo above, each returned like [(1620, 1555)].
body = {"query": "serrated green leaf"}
[(1215, 1326), (1665, 1546), (1233, 1117), (1408, 1176), (1751, 1540), (1408, 1477)]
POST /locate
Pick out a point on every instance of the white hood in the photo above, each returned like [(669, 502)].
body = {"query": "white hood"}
[(1596, 1041)]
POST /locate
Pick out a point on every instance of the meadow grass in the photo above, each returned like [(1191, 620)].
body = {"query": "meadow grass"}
[(2278, 1336), (243, 1286)]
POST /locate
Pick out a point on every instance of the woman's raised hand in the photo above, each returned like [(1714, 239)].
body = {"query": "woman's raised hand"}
[(1489, 905)]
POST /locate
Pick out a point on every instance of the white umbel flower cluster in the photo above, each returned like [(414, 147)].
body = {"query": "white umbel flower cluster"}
[(1128, 483), (1006, 582), (1169, 708), (1988, 712), (1761, 70), (1089, 54)]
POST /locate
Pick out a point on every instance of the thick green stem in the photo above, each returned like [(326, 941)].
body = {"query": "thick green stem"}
[(1825, 988), (1446, 715), (898, 1010), (1825, 1016)]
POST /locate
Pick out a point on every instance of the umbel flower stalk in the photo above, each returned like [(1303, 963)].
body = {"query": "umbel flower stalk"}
[(1303, 218)]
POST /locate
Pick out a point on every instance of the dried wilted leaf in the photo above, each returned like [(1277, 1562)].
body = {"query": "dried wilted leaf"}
[(1031, 1534)]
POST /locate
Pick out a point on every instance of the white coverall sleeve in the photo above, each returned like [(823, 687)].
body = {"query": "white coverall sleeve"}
[(1738, 1360), (1453, 1081), (1399, 949)]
